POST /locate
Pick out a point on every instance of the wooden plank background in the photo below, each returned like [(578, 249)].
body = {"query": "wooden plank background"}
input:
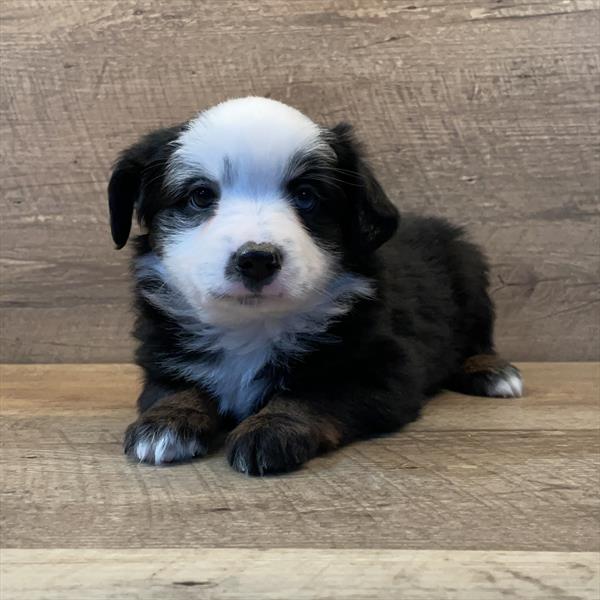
[(485, 112)]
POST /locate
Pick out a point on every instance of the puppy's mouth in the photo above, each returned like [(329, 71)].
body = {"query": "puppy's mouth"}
[(249, 299), (240, 294), (252, 299)]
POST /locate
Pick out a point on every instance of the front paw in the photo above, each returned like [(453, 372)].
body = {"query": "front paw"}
[(270, 443), (163, 435)]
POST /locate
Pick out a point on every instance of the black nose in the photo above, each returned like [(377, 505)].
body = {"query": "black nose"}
[(257, 263)]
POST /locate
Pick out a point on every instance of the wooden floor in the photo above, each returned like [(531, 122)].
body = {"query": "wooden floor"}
[(480, 499)]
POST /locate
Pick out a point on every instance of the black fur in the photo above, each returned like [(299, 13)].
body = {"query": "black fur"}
[(430, 314), (133, 181)]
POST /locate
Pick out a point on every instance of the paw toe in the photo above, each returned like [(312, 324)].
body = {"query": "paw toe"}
[(506, 384), (167, 447), (266, 446), (162, 445)]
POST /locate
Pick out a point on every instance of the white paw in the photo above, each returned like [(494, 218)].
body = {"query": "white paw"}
[(166, 448), (157, 438), (506, 385)]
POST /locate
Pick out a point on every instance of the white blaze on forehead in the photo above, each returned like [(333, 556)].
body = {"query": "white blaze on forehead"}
[(254, 137)]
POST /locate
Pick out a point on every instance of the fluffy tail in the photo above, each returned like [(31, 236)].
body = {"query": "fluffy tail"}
[(488, 375)]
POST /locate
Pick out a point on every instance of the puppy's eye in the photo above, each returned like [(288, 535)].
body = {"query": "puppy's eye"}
[(305, 198), (202, 197)]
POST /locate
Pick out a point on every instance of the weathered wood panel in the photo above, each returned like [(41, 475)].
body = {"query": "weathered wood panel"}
[(485, 112), (472, 474), (298, 574)]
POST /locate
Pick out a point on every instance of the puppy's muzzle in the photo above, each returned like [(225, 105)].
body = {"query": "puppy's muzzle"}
[(256, 264)]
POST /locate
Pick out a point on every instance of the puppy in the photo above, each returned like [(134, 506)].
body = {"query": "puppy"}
[(279, 295)]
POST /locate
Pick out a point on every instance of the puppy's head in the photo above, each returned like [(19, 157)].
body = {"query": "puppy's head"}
[(251, 205)]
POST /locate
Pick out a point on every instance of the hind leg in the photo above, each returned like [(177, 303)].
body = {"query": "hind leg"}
[(487, 375), (483, 372)]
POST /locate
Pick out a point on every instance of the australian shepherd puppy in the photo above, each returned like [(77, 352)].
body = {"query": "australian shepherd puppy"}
[(281, 297)]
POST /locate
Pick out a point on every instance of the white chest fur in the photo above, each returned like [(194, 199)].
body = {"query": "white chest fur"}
[(235, 353), (233, 375)]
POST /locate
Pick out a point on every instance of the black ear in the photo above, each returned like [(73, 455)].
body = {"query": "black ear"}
[(123, 192), (138, 163), (374, 218)]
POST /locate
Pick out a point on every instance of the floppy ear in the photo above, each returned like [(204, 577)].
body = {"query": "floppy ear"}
[(138, 163), (374, 218)]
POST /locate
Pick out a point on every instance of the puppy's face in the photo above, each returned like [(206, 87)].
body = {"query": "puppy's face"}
[(251, 207), (248, 200)]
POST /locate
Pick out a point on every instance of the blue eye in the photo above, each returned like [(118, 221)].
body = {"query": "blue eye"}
[(305, 198), (202, 197)]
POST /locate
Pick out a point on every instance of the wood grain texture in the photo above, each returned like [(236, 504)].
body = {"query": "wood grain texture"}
[(473, 474), (485, 112), (298, 574)]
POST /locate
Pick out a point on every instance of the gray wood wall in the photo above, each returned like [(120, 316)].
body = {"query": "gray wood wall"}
[(486, 112)]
